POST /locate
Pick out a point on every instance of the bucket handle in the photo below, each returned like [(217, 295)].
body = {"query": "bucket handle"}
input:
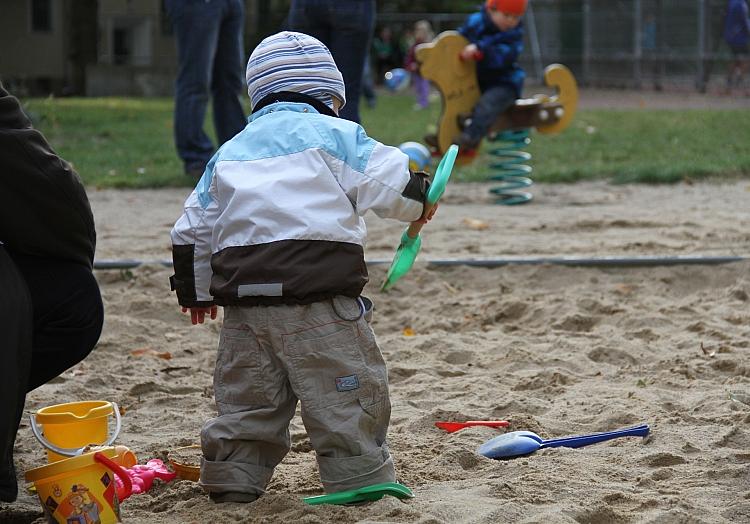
[(73, 452), (127, 484)]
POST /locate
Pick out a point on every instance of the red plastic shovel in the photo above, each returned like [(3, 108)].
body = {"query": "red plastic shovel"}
[(451, 427)]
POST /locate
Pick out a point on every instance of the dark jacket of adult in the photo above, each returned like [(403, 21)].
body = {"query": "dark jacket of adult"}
[(499, 51), (45, 211)]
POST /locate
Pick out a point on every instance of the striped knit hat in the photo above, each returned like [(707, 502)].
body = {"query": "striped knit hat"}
[(294, 62)]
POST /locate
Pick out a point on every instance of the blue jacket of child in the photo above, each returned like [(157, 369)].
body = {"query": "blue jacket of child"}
[(500, 50)]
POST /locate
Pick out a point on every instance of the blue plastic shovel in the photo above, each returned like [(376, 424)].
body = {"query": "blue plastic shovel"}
[(517, 443)]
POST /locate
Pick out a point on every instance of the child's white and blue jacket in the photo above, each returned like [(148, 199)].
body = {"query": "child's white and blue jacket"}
[(277, 216)]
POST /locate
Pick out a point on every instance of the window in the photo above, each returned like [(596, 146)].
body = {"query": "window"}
[(41, 16)]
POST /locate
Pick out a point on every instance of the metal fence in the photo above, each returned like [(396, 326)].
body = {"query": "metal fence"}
[(670, 44)]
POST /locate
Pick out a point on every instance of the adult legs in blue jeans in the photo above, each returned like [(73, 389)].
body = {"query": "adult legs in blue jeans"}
[(346, 28), (210, 53), (493, 102)]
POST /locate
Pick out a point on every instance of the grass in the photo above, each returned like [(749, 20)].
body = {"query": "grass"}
[(128, 142)]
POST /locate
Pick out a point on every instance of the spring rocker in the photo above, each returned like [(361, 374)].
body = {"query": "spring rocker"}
[(456, 80)]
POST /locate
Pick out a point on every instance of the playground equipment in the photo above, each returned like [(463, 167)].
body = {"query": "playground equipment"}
[(456, 79)]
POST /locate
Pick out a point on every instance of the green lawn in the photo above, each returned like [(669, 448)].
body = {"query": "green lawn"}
[(127, 142)]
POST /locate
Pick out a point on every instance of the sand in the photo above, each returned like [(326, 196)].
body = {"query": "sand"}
[(552, 349)]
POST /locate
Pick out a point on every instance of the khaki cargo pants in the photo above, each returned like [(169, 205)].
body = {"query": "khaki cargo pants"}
[(324, 355)]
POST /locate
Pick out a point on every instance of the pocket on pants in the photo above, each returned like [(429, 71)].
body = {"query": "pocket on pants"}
[(238, 378), (328, 366)]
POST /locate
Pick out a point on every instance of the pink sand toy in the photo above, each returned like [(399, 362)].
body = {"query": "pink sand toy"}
[(142, 476)]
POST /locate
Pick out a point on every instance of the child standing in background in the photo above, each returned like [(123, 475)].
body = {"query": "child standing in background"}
[(422, 33), (496, 41), (274, 233)]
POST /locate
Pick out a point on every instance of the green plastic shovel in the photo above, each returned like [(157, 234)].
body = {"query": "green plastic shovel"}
[(411, 242), (366, 494)]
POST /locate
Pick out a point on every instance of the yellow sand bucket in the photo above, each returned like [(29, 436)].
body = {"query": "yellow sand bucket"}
[(68, 428), (81, 490)]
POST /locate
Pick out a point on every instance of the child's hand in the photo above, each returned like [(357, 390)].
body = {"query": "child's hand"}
[(469, 52), (427, 213), (198, 314)]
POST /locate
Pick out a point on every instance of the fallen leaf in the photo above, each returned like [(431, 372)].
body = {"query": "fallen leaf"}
[(473, 223), (624, 289), (408, 332)]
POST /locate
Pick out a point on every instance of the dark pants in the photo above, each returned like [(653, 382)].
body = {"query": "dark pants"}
[(211, 63), (368, 87), (51, 317), (493, 102), (346, 29)]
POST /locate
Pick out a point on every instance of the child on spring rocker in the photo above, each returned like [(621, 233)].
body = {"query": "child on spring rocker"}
[(496, 40), (274, 233)]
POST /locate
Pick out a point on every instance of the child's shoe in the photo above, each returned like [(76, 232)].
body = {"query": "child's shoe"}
[(220, 497), (465, 141), (463, 120)]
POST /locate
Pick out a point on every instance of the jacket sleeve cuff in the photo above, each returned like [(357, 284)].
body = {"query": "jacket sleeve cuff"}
[(417, 187), (184, 296), (183, 281)]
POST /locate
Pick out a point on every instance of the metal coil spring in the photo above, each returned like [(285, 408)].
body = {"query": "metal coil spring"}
[(509, 167)]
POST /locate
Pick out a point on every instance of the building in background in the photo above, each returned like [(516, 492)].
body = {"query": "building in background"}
[(45, 45), (136, 52), (101, 47)]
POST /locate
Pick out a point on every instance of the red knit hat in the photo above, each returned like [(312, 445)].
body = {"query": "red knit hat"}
[(511, 7)]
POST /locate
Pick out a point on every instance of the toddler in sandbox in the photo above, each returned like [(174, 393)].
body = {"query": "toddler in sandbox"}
[(274, 233)]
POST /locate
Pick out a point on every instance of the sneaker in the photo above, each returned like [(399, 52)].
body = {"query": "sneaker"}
[(463, 120), (465, 141)]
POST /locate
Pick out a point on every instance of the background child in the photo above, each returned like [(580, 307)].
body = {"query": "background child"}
[(274, 233), (422, 33), (737, 36), (496, 40)]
